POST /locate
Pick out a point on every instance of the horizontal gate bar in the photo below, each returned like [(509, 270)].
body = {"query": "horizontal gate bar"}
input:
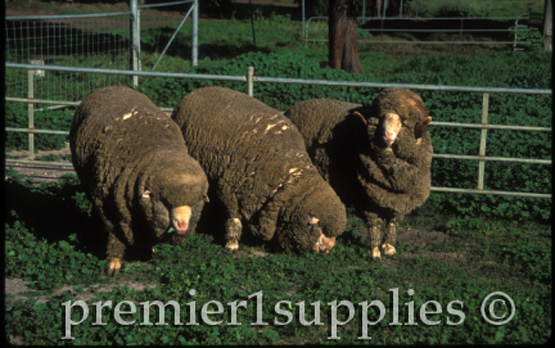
[(37, 131), (493, 159), (490, 126), (57, 164), (487, 192)]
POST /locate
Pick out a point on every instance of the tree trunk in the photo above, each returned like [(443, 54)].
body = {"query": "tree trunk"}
[(343, 53), (548, 26)]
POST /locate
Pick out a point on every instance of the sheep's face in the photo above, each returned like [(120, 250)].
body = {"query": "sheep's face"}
[(179, 218), (391, 125), (323, 244), (302, 237), (160, 216), (173, 201), (408, 106)]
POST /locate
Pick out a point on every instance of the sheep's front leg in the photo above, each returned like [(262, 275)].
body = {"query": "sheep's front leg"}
[(375, 239), (233, 228), (115, 252), (374, 222), (390, 236)]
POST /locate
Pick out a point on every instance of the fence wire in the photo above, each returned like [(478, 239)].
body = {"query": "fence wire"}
[(79, 41)]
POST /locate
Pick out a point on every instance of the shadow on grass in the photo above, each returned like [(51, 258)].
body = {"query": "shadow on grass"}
[(52, 212)]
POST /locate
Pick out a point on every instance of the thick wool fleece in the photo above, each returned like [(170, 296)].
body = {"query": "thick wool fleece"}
[(382, 182), (133, 163), (257, 165)]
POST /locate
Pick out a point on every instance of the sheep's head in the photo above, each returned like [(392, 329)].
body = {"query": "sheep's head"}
[(314, 223), (324, 243), (302, 237), (396, 111), (408, 105), (172, 197)]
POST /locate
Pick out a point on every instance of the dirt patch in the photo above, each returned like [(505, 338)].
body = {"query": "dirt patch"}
[(18, 289), (421, 241), (420, 238)]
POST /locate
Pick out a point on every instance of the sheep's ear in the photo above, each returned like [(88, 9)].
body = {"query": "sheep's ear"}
[(421, 127), (146, 194), (314, 220), (359, 115), (206, 199)]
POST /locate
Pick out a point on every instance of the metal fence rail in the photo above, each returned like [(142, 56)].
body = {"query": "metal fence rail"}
[(250, 79)]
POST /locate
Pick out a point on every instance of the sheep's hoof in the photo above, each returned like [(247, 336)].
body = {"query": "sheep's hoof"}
[(376, 253), (114, 267), (388, 249), (232, 245)]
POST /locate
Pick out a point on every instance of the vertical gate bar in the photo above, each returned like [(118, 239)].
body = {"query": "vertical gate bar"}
[(31, 109), (303, 14), (138, 40), (194, 34), (250, 74), (483, 136), (135, 39), (364, 10)]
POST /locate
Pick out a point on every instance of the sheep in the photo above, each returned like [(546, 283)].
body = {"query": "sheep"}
[(133, 164), (259, 171), (377, 157)]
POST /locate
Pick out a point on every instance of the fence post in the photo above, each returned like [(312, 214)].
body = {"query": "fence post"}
[(31, 109), (483, 135), (303, 14), (250, 74), (134, 28), (194, 31)]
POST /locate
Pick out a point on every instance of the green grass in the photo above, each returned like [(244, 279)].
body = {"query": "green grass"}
[(476, 257)]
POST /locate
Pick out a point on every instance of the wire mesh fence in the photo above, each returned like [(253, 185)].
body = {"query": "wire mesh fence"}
[(80, 41)]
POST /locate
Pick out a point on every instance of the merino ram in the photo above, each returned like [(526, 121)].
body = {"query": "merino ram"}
[(376, 157), (133, 163), (258, 168)]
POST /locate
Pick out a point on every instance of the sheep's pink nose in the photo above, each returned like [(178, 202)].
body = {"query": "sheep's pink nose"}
[(180, 227), (390, 136), (324, 244)]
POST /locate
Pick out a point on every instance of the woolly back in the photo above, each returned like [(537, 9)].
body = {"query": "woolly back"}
[(317, 119), (119, 134), (117, 127), (223, 127)]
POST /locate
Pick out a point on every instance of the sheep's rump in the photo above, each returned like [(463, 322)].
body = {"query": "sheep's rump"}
[(132, 161), (252, 155)]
